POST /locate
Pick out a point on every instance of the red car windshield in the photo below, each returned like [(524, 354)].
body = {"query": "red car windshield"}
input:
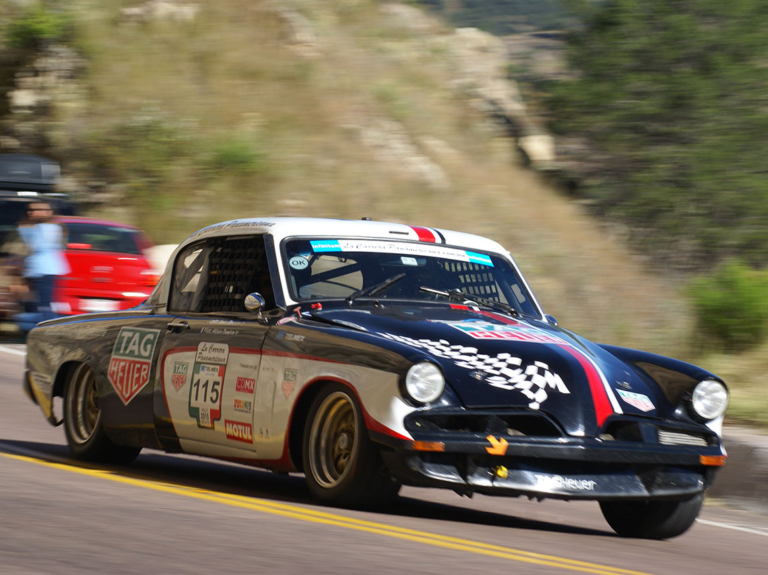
[(102, 238)]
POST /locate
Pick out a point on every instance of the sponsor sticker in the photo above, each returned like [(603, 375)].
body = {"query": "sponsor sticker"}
[(479, 329), (212, 353), (558, 482), (179, 376), (400, 248), (298, 262), (131, 361), (289, 381), (238, 431), (245, 385), (243, 405), (638, 400), (205, 394)]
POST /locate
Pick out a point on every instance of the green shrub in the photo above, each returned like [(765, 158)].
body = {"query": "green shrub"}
[(731, 306), (35, 26), (238, 156)]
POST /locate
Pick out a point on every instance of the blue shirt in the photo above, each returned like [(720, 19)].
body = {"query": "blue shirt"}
[(46, 257)]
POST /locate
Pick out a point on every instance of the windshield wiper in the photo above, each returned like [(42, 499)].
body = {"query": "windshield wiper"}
[(459, 295), (378, 288)]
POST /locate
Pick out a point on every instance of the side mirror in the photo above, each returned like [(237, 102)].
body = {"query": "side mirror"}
[(254, 302), (551, 319)]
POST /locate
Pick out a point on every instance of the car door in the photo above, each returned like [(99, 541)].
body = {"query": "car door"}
[(211, 350)]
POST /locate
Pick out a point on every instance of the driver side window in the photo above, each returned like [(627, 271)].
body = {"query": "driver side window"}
[(216, 275)]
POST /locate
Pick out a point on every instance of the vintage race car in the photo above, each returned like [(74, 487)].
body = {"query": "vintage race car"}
[(370, 355)]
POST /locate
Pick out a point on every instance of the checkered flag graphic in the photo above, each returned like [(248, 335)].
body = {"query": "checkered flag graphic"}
[(535, 381)]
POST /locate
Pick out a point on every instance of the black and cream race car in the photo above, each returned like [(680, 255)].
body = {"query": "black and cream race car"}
[(369, 355)]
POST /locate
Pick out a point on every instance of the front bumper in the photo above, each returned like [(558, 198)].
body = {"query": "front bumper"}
[(553, 467)]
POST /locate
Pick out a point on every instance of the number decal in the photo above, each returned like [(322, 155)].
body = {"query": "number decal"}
[(205, 394)]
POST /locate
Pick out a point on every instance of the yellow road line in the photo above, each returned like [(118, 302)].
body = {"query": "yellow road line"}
[(313, 516)]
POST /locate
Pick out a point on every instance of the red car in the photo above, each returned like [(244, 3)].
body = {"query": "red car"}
[(109, 267)]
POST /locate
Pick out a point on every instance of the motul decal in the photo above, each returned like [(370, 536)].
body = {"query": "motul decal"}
[(238, 431), (131, 361)]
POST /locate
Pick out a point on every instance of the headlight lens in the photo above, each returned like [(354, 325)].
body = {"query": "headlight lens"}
[(424, 382), (710, 398)]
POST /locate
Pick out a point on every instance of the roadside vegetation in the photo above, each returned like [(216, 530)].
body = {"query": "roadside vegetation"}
[(339, 108)]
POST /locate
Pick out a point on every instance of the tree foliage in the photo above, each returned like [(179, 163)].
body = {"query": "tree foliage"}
[(672, 97)]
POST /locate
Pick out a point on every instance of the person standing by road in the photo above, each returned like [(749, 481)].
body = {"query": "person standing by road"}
[(44, 263)]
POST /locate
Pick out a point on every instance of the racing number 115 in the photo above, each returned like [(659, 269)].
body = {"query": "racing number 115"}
[(215, 385)]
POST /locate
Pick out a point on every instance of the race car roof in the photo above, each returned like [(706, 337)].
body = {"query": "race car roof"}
[(281, 228)]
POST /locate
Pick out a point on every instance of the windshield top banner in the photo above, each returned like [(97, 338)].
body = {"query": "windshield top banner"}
[(400, 248)]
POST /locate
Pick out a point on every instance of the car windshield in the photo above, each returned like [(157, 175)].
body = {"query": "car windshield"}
[(330, 268), (102, 238)]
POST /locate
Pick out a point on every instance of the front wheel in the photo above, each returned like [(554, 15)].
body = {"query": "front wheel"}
[(651, 519), (83, 422), (341, 464)]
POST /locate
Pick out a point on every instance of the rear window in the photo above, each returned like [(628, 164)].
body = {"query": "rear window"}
[(102, 238)]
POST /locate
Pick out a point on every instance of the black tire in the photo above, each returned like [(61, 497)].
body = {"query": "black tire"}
[(651, 519), (86, 437), (341, 464)]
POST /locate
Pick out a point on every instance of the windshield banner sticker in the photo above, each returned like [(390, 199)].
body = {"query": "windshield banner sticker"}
[(400, 248), (131, 361), (502, 370)]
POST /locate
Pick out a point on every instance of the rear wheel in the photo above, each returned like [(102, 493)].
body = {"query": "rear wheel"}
[(341, 464), (83, 422), (651, 519)]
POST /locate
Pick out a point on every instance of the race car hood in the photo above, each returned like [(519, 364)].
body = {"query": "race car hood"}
[(493, 360)]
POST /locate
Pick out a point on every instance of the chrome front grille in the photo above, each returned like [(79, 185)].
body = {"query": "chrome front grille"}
[(677, 438)]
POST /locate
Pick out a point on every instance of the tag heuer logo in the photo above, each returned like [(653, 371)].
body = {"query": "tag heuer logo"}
[(131, 361), (179, 376)]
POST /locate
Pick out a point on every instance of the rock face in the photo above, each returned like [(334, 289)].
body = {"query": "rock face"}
[(47, 80), (161, 10), (477, 61), (482, 62)]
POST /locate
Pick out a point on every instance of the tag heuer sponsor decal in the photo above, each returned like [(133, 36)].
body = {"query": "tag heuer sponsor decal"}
[(243, 405), (637, 400), (205, 394), (131, 361), (289, 381), (238, 431), (179, 376)]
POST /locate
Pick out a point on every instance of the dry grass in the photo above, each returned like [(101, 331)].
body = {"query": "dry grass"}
[(231, 76)]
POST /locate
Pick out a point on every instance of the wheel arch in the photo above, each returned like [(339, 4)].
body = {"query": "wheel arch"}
[(63, 374), (298, 419)]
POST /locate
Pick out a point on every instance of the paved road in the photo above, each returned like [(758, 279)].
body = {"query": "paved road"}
[(180, 514)]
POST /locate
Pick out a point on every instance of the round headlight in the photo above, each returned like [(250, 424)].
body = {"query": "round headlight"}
[(710, 398), (424, 382)]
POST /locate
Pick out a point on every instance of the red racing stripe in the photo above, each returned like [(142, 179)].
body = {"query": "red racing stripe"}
[(425, 235), (603, 407)]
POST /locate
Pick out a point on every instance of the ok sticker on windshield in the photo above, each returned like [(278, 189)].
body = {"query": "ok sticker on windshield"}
[(298, 262)]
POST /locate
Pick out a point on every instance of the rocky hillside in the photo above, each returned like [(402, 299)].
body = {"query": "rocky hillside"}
[(173, 115)]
